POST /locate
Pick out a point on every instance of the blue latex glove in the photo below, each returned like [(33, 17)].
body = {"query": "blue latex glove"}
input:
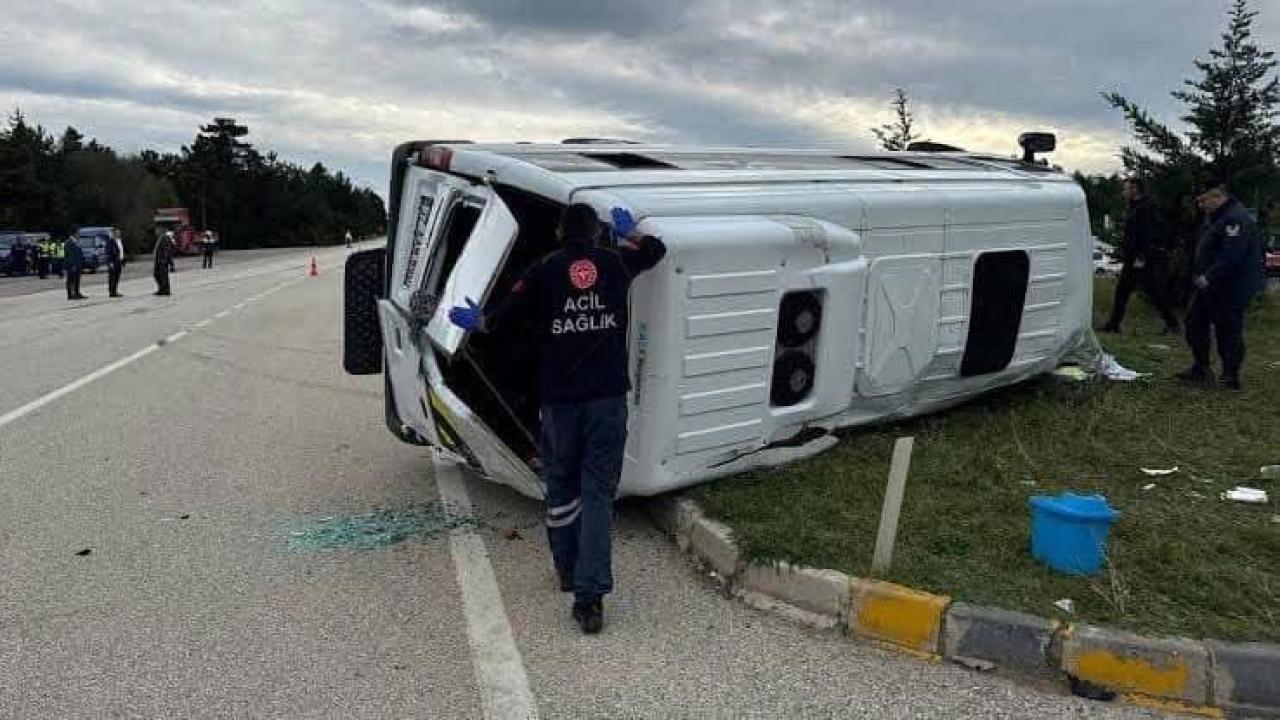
[(469, 318), (623, 222)]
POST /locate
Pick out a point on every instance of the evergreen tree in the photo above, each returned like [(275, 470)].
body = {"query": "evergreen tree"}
[(900, 133)]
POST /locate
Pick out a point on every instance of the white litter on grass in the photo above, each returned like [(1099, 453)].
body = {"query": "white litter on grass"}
[(1152, 472), (1269, 472), (1066, 605), (1072, 373), (1196, 495), (1113, 370), (1145, 488), (1243, 494), (1159, 346)]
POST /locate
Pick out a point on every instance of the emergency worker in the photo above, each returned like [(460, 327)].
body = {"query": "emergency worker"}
[(59, 257), (74, 264), (206, 245), (115, 264), (1144, 259), (163, 258), (1227, 273), (576, 301), (43, 258)]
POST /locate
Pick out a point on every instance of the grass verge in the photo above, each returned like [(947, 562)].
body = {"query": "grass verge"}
[(1181, 561)]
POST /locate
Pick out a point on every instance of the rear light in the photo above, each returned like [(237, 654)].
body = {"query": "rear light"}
[(793, 375), (794, 364), (436, 157)]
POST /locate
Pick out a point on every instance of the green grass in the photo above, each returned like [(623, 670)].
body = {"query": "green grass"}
[(1181, 561)]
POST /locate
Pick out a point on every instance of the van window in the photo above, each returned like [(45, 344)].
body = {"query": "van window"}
[(459, 220), (999, 294)]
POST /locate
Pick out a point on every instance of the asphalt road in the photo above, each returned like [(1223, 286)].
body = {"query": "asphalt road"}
[(140, 266), (192, 445)]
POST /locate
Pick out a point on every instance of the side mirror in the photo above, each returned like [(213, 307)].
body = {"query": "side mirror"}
[(1033, 143)]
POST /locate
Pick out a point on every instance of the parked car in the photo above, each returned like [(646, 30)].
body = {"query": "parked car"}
[(1104, 261), (1273, 258), (93, 241), (7, 241)]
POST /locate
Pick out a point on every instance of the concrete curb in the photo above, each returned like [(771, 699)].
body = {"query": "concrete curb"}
[(1209, 677)]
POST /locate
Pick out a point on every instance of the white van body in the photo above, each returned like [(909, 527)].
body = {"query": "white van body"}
[(937, 276)]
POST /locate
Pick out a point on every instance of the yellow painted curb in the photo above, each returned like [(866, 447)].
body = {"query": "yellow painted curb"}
[(1129, 673), (1173, 706), (895, 614)]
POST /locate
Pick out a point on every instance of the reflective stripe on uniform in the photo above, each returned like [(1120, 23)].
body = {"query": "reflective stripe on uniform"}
[(556, 511), (564, 521)]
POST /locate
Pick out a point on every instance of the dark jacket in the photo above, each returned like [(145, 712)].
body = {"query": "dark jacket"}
[(164, 254), (1229, 253), (75, 256), (1140, 234), (113, 252), (575, 300)]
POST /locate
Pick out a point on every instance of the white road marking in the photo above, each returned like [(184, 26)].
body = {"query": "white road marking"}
[(499, 670), (106, 370), (76, 385), (202, 323)]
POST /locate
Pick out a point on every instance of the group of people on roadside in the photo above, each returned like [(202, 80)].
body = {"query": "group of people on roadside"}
[(42, 257), (1226, 272)]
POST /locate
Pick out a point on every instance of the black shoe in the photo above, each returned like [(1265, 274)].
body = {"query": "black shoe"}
[(590, 616), (566, 580), (82, 297), (116, 295), (1195, 375), (1229, 382)]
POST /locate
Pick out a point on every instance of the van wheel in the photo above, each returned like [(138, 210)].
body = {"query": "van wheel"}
[(361, 333)]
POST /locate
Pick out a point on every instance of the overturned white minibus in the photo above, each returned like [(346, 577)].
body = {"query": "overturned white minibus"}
[(802, 291)]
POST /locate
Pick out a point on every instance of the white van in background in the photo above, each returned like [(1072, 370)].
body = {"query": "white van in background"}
[(802, 291)]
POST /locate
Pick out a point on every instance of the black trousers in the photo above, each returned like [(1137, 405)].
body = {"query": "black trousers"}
[(113, 277), (1224, 319), (73, 283), (1151, 280), (208, 258), (162, 281)]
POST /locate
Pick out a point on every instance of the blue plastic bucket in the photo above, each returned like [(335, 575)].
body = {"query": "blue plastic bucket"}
[(1069, 532)]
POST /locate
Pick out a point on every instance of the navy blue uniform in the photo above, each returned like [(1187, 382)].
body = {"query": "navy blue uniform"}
[(74, 264), (575, 299), (1229, 256)]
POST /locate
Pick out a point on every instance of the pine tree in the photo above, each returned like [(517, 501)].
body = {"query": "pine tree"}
[(900, 133)]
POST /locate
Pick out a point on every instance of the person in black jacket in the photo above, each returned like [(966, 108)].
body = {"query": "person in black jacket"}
[(1227, 273), (115, 265), (163, 262), (1143, 260), (74, 264), (576, 301)]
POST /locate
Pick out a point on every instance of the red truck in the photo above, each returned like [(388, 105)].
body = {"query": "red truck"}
[(178, 221)]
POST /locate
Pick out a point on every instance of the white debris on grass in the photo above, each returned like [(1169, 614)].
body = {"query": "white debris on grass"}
[(1243, 494), (1151, 486), (1153, 472), (1269, 472), (1112, 370), (1066, 605)]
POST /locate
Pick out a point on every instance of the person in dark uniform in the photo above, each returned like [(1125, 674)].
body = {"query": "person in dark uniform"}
[(115, 265), (1144, 259), (74, 263), (163, 262), (576, 301), (1227, 273), (206, 245), (43, 257)]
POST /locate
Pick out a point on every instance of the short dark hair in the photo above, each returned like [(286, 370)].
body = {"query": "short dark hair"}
[(579, 221), (1137, 182)]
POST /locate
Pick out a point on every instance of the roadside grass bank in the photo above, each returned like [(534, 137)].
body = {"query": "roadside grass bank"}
[(1181, 561)]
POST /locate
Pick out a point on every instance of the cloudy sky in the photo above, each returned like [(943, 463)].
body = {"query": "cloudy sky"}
[(342, 81)]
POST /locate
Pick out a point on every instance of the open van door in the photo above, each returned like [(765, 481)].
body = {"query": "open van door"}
[(471, 238)]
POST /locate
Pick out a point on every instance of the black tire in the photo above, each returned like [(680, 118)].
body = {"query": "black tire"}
[(799, 319), (361, 332), (793, 378)]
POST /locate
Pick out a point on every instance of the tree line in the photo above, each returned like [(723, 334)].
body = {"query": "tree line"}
[(249, 198), (1231, 106)]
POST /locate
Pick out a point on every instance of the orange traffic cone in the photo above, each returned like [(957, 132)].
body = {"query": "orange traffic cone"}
[(314, 271)]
